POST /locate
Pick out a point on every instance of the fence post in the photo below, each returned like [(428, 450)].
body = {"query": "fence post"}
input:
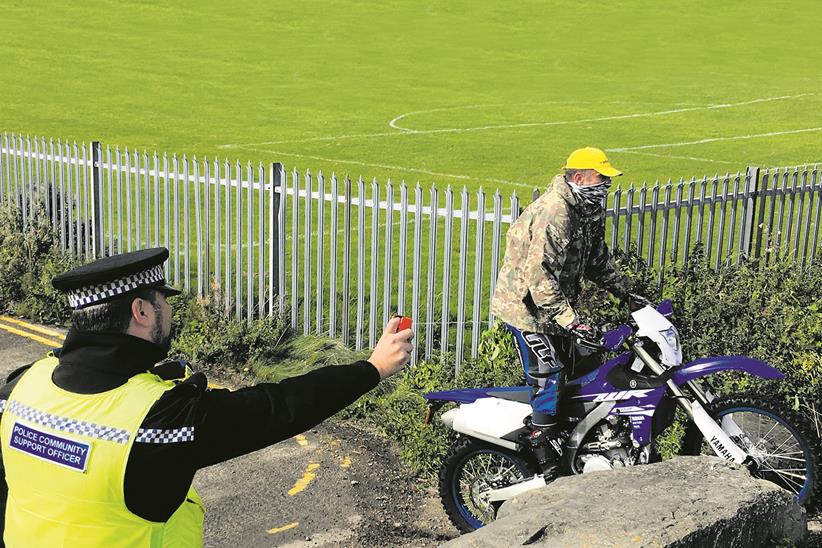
[(97, 198), (275, 179), (752, 197)]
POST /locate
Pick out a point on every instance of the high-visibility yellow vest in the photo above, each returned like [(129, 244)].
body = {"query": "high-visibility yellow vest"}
[(65, 457)]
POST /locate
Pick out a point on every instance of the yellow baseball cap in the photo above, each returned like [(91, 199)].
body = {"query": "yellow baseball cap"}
[(591, 158)]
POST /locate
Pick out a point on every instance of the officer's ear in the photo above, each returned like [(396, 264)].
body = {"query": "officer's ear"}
[(140, 311)]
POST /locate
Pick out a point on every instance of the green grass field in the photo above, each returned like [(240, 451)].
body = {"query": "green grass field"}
[(476, 93)]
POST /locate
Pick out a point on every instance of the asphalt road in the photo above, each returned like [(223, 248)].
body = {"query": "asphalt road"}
[(333, 486)]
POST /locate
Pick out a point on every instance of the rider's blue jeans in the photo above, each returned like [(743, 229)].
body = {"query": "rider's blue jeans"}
[(543, 371)]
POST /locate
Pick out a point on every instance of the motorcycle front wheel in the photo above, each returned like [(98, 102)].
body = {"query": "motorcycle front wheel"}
[(471, 469), (779, 439)]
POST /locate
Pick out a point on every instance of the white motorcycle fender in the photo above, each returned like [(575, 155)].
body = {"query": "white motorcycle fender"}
[(717, 438), (488, 419)]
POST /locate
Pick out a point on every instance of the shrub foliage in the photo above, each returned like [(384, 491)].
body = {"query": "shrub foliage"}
[(30, 256), (766, 310), (769, 309)]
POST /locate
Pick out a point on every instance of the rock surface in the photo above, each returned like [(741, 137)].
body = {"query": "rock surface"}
[(686, 501)]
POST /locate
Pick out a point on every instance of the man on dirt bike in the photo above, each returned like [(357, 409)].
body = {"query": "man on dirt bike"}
[(558, 240)]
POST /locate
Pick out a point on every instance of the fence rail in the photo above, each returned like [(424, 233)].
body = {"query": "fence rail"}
[(338, 256)]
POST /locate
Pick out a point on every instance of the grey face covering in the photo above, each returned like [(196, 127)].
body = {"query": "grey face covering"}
[(591, 195)]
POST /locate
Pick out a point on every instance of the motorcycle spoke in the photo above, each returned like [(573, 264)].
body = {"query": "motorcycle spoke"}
[(759, 429), (784, 456), (789, 438), (779, 452), (787, 479), (788, 471), (507, 471), (478, 474)]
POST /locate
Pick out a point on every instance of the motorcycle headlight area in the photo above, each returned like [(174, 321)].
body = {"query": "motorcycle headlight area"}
[(671, 336)]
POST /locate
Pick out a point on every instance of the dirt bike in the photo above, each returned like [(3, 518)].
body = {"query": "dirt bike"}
[(611, 416)]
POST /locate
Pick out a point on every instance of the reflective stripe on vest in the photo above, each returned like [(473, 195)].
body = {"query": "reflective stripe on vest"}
[(65, 457)]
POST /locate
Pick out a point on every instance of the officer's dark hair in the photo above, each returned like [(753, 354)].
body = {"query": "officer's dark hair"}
[(113, 316)]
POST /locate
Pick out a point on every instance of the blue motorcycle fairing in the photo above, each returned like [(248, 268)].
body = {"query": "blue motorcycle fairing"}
[(470, 395), (573, 386), (708, 366)]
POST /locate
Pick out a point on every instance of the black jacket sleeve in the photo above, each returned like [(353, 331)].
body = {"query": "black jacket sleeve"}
[(228, 424)]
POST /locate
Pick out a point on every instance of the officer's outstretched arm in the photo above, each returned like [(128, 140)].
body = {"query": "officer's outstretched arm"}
[(229, 424)]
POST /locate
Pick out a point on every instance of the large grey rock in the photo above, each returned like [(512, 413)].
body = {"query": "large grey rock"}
[(686, 501)]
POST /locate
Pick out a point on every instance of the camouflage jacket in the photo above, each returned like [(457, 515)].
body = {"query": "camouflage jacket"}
[(550, 247)]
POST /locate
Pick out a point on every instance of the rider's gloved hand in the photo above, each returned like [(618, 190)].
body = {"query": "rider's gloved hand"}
[(584, 332), (637, 301)]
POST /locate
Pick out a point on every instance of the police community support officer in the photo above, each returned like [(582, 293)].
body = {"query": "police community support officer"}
[(100, 450), (558, 240)]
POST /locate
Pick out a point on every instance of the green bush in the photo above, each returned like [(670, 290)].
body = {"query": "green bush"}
[(210, 336), (771, 312), (767, 311), (30, 256)]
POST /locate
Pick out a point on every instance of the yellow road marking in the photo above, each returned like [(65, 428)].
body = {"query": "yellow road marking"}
[(275, 530), (345, 463), (301, 440), (32, 327), (303, 482), (38, 338), (215, 385)]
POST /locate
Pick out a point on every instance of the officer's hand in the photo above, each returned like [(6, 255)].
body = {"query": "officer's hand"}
[(393, 350)]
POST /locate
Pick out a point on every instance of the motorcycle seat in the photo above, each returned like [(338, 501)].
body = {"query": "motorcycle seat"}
[(521, 394)]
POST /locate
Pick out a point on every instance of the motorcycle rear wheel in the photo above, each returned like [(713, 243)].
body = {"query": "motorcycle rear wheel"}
[(780, 439), (471, 468)]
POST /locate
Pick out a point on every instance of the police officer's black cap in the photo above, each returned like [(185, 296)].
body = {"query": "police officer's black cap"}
[(115, 276)]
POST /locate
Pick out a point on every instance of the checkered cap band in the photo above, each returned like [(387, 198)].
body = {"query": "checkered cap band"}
[(157, 435), (91, 294), (74, 426)]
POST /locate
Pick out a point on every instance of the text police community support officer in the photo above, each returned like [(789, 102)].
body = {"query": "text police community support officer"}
[(100, 449)]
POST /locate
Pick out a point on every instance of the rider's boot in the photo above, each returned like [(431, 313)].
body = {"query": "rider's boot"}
[(547, 447)]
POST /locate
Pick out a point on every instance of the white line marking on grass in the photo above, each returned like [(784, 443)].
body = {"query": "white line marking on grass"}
[(604, 118), (716, 139), (400, 130), (392, 167), (301, 237), (313, 139), (675, 157), (393, 122)]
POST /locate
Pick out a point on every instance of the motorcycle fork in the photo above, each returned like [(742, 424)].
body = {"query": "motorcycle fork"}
[(717, 438)]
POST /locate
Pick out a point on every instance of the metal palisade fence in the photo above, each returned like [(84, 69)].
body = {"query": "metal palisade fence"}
[(336, 256)]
